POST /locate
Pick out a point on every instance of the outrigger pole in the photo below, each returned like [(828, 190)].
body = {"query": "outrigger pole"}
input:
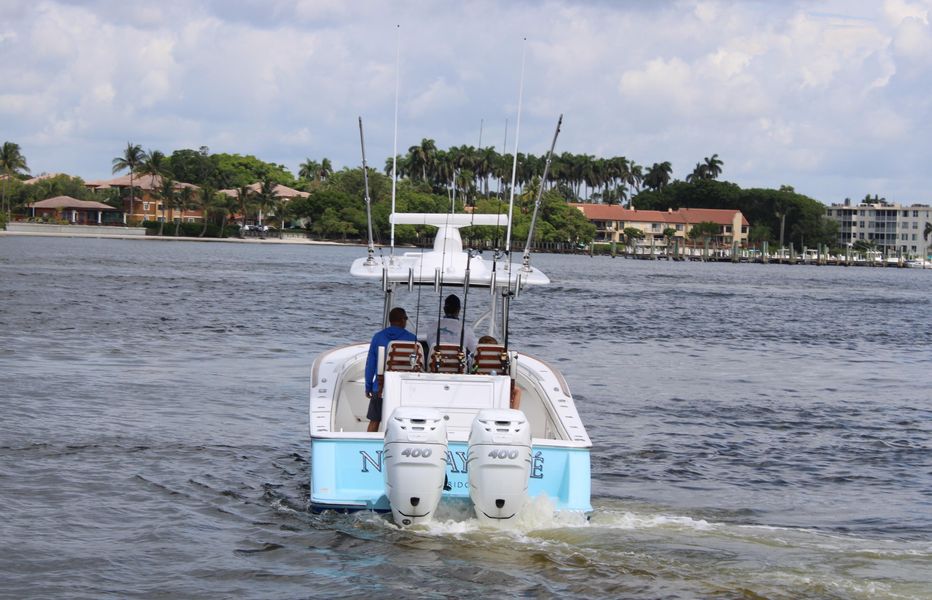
[(365, 178), (526, 259), (514, 164)]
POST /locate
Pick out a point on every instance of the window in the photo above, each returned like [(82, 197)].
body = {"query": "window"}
[(726, 229), (861, 224), (914, 237), (915, 213), (915, 224), (145, 206), (905, 213), (679, 227), (159, 207)]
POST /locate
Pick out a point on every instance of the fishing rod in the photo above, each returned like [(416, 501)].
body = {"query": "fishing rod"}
[(438, 278), (395, 141), (514, 164), (465, 298), (365, 178), (386, 289), (526, 259)]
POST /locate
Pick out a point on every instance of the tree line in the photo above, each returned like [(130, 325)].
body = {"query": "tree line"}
[(430, 177)]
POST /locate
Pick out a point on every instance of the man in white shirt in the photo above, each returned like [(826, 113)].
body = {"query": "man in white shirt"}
[(451, 327)]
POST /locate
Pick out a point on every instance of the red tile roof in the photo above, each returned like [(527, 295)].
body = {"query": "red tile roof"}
[(282, 191), (69, 202), (604, 212), (143, 182), (719, 216)]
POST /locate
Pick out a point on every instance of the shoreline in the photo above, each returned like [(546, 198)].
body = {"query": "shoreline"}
[(180, 238), (308, 242)]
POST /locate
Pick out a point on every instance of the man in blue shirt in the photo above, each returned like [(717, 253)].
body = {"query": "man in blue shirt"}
[(397, 318)]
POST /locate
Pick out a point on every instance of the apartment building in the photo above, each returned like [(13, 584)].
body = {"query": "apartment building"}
[(892, 228), (611, 221), (148, 205)]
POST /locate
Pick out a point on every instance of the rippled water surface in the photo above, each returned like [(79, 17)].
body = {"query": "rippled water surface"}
[(759, 431)]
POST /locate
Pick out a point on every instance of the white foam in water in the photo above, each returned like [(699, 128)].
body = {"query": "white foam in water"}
[(630, 520), (456, 518)]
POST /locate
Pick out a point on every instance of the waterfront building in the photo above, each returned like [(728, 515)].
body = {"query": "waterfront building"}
[(283, 192), (611, 221), (74, 211), (892, 228), (148, 205)]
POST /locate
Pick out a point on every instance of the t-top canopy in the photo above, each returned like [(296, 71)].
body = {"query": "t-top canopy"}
[(447, 256)]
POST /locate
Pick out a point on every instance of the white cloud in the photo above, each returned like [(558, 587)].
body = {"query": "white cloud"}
[(791, 92), (896, 11)]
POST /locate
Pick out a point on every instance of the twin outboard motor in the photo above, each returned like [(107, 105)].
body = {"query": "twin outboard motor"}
[(499, 463), (415, 460)]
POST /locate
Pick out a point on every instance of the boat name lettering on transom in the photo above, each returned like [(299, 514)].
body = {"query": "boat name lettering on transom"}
[(368, 460), (537, 466), (457, 461)]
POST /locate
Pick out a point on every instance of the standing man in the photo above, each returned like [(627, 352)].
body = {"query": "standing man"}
[(451, 326), (397, 318)]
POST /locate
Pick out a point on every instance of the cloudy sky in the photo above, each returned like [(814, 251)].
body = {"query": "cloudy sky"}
[(832, 97)]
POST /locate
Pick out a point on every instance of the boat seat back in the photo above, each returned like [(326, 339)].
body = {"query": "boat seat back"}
[(490, 359), (404, 356), (447, 358)]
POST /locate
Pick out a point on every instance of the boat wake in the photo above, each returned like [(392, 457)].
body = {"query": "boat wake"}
[(651, 543)]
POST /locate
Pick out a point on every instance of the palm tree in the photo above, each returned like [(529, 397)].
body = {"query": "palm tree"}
[(713, 166), (228, 204), (485, 166), (632, 235), (705, 231), (927, 231), (154, 164), (636, 176), (205, 203), (325, 170), (659, 175), (132, 159), (12, 161), (309, 169), (166, 196), (422, 156), (668, 234), (781, 207), (280, 208), (183, 201), (404, 166), (244, 198), (265, 197), (700, 172)]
